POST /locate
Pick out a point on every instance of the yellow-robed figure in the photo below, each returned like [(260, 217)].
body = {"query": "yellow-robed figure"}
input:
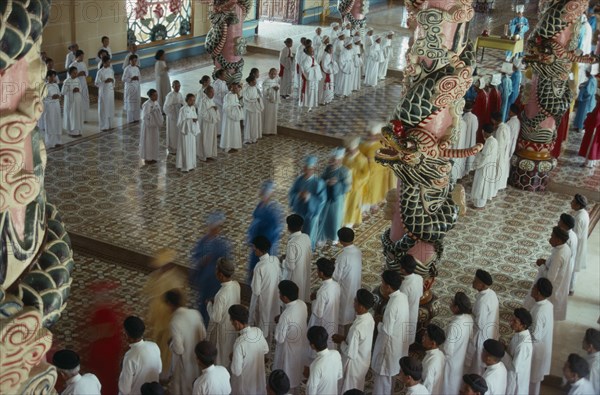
[(381, 179), (358, 167)]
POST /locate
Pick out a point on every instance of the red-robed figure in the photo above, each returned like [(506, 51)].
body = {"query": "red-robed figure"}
[(562, 133), (480, 107), (590, 145)]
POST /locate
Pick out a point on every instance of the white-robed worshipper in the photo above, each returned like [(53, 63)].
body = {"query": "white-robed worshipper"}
[(458, 165), (411, 373), (591, 345), (459, 334), (73, 116), (105, 47), (221, 90), (576, 370), (152, 120), (270, 90), (374, 57), (132, 48), (105, 81), (585, 36), (567, 222), (386, 46), (335, 29), (213, 379), (173, 103), (392, 340), (321, 51), (412, 287), (186, 330), (581, 229), (204, 83), (325, 306), (220, 329), (330, 69), (291, 344), (434, 362), (67, 364), (519, 354), (299, 56), (253, 109), (542, 329), (248, 359), (53, 123), (347, 29), (502, 136), (161, 76), (317, 40), (369, 40), (348, 273), (355, 347), (233, 113), (207, 147), (286, 68), (358, 63), (326, 370), (101, 54), (496, 375), (310, 77), (473, 384), (487, 319), (515, 127), (82, 74), (296, 263), (188, 126), (132, 96), (484, 184), (264, 303), (141, 363), (338, 48), (70, 58), (471, 126), (344, 79)]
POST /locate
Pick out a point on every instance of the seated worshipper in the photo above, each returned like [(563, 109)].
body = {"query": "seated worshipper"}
[(542, 328), (336, 178), (412, 287), (358, 165), (411, 372), (105, 81), (248, 359), (356, 346), (325, 371), (484, 185), (581, 229), (132, 97), (518, 358), (210, 118), (290, 335), (141, 363), (174, 102), (495, 375), (67, 364), (591, 345), (307, 197), (51, 117), (253, 108), (264, 303), (586, 100), (576, 370), (330, 69), (271, 101), (189, 128), (348, 273), (502, 136), (186, 330), (233, 113), (434, 361), (213, 379), (297, 260), (590, 144), (473, 384), (72, 116), (153, 388), (325, 308), (374, 58), (152, 120), (278, 383), (311, 76), (286, 68), (220, 329), (344, 79)]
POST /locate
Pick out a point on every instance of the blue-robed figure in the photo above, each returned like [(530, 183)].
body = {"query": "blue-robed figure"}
[(336, 178), (307, 198), (586, 101), (205, 255), (505, 92), (267, 221), (515, 79), (519, 25)]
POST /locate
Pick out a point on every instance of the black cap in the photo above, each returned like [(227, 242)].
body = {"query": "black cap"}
[(476, 382), (279, 382), (412, 367), (494, 348), (262, 243), (484, 277), (408, 263), (562, 234), (326, 266), (153, 388), (544, 287), (581, 200), (66, 359), (436, 334), (524, 316), (365, 298), (354, 391), (568, 220), (392, 278), (239, 313)]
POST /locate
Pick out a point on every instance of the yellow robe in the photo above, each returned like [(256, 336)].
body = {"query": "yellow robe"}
[(381, 178), (358, 165)]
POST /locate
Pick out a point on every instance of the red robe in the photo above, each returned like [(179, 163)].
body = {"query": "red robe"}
[(561, 134), (590, 149), (494, 101), (480, 109)]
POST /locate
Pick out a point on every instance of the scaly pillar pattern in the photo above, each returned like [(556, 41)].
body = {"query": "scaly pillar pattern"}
[(36, 258), (551, 47), (225, 40), (354, 11), (425, 124)]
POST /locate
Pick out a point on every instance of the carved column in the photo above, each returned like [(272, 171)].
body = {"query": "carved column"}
[(354, 11)]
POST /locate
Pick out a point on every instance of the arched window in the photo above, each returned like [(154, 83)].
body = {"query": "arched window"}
[(150, 21)]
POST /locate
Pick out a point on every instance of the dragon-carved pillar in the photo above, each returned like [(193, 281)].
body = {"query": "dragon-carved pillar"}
[(36, 258), (354, 11), (550, 55), (225, 40)]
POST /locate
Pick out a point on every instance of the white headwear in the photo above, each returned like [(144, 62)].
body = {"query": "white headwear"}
[(376, 128), (325, 37), (369, 29), (353, 144), (496, 79), (377, 37), (390, 33), (347, 41), (335, 24), (506, 68), (338, 153), (356, 39), (341, 33), (519, 9)]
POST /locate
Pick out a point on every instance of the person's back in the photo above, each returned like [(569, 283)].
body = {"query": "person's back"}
[(325, 372), (212, 382), (348, 273), (141, 364)]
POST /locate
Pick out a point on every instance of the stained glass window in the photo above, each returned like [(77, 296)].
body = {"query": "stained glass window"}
[(157, 20)]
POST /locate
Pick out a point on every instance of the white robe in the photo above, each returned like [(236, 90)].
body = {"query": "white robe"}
[(458, 167), (515, 127), (188, 124), (220, 329), (187, 330), (433, 371), (557, 271), (594, 364), (518, 363), (106, 97), (391, 343), (271, 89), (132, 96), (348, 273), (343, 85), (152, 120), (253, 108), (309, 88), (52, 117), (459, 334), (233, 113), (317, 42), (73, 118), (484, 186), (487, 326), (338, 49), (87, 384), (299, 58), (582, 387), (264, 303), (85, 94), (374, 58), (496, 377), (412, 287), (173, 103), (503, 162), (369, 42), (542, 330), (126, 60), (325, 373), (248, 362), (141, 364), (163, 82), (358, 64), (386, 45), (325, 309), (214, 380), (581, 229), (330, 68), (69, 59), (221, 91), (291, 342), (417, 389), (356, 352), (107, 49), (210, 119), (297, 263), (286, 71), (471, 126)]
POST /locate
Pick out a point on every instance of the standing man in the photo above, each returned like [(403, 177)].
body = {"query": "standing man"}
[(480, 106), (495, 375), (542, 329), (411, 372), (591, 345), (505, 89), (337, 182), (296, 263), (581, 229), (412, 287), (434, 361), (213, 379), (325, 308), (586, 100), (68, 364), (576, 371), (326, 370), (567, 223), (502, 135), (358, 165), (221, 89), (473, 384), (471, 126), (286, 69), (519, 353), (518, 26), (515, 127), (387, 52), (70, 58), (515, 79), (348, 273), (484, 184)]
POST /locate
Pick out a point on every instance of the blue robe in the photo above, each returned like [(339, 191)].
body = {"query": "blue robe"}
[(515, 79), (309, 210), (204, 264), (586, 101), (333, 212), (267, 220), (505, 92), (518, 25), (471, 94)]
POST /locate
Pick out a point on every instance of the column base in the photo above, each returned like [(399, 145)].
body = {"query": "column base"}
[(530, 174)]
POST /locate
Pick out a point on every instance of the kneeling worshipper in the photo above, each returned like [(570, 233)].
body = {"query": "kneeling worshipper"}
[(67, 364), (484, 185)]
